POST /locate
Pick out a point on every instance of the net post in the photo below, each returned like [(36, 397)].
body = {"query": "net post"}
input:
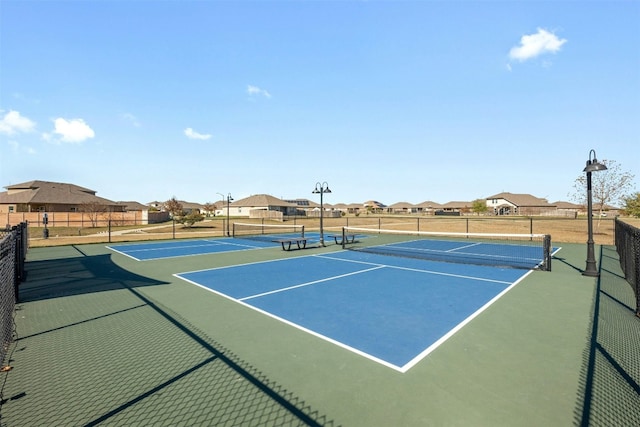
[(344, 237), (233, 229), (546, 266), (302, 230)]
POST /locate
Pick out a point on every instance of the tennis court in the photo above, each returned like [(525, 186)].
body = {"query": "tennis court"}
[(392, 310), (322, 336), (179, 248), (245, 237)]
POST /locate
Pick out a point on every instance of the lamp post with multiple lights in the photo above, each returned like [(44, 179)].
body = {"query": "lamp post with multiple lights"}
[(321, 189), (592, 166), (229, 200)]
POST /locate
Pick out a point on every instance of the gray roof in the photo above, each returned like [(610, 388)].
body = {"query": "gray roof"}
[(401, 205), (262, 200), (456, 205), (567, 205), (305, 203), (45, 192), (429, 204), (374, 204), (521, 200), (133, 206)]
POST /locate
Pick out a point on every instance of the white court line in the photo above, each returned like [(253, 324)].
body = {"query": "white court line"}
[(402, 369), (123, 253), (299, 327), (437, 273), (459, 326), (168, 248), (311, 283), (463, 247), (454, 251)]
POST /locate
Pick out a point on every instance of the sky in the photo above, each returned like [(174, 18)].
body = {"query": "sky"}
[(403, 101)]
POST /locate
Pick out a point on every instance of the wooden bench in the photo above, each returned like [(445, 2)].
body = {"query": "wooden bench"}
[(301, 242), (350, 238)]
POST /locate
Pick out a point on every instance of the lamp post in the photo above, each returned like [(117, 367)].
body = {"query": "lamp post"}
[(229, 200), (592, 166), (321, 189)]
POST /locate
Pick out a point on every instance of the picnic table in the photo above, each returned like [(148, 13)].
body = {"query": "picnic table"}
[(301, 242), (349, 238)]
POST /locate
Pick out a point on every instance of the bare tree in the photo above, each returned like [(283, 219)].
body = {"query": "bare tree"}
[(210, 207), (607, 187), (93, 210)]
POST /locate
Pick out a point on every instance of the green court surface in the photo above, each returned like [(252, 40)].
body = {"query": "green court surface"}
[(103, 339)]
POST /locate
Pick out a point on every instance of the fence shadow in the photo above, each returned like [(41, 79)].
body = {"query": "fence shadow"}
[(121, 358), (610, 389), (75, 276)]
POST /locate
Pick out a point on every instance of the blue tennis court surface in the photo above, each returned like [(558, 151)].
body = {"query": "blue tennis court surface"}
[(177, 248), (391, 310)]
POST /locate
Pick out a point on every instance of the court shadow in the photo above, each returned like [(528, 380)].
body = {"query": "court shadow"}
[(610, 380), (565, 262), (77, 275), (228, 379)]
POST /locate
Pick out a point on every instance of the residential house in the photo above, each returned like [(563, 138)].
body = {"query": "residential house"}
[(130, 206), (305, 206), (454, 208), (374, 206), (519, 204), (402, 208), (260, 206), (428, 207), (45, 196), (569, 209)]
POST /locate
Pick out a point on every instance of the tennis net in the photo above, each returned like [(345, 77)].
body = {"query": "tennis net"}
[(529, 251), (266, 232)]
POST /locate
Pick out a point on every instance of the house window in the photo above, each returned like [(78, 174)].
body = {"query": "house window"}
[(73, 209), (12, 209)]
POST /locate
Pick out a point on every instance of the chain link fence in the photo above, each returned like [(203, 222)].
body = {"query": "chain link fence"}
[(13, 250), (628, 247)]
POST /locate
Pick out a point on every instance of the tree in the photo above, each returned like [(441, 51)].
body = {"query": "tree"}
[(210, 208), (191, 218), (174, 207), (479, 206), (607, 187), (632, 205), (93, 210)]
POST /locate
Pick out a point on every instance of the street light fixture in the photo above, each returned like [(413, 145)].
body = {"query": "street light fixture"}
[(321, 189), (592, 166), (229, 200)]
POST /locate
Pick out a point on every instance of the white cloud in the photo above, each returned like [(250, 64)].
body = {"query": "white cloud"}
[(131, 119), (536, 44), (73, 131), (192, 134), (255, 90), (13, 123), (16, 148)]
